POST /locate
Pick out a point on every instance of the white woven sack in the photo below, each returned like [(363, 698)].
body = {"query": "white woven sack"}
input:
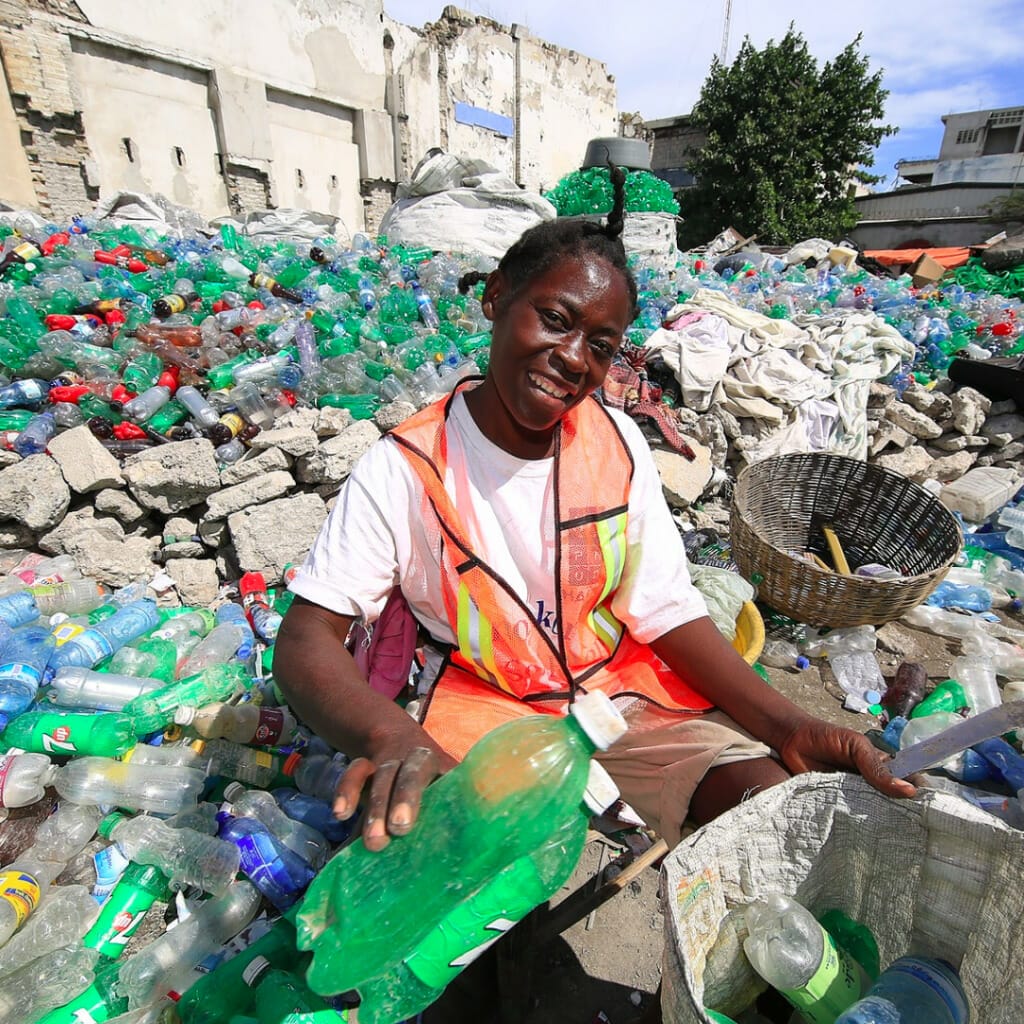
[(933, 876)]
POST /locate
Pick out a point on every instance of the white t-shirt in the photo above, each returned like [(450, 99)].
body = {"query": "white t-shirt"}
[(374, 537)]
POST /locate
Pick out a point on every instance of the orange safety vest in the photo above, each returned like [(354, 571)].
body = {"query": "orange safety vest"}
[(504, 665)]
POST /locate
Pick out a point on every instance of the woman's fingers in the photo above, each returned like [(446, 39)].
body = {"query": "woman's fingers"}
[(417, 771)]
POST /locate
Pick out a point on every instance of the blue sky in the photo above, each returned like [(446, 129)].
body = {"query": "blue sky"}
[(938, 58)]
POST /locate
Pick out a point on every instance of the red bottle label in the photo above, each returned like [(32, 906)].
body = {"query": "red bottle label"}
[(269, 727)]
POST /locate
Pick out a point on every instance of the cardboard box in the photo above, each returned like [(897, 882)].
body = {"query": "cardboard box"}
[(924, 270)]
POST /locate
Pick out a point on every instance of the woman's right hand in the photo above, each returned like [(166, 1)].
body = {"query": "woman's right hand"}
[(393, 781)]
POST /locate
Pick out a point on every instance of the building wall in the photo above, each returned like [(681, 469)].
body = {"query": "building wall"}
[(243, 104)]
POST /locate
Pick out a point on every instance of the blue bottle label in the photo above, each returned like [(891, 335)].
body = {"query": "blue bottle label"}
[(19, 672)]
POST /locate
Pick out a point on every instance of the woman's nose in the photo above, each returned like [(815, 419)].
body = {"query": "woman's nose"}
[(572, 354)]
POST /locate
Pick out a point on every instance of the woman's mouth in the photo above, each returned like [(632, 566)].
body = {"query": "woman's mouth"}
[(548, 387)]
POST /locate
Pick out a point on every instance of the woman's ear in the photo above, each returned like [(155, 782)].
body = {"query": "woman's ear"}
[(493, 291)]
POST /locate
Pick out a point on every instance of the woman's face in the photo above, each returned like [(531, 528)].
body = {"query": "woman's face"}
[(551, 347)]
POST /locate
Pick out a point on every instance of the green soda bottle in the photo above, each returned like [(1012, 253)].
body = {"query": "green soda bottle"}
[(222, 376), (99, 1002), (155, 710), (520, 789), (139, 888), (283, 998), (108, 734), (14, 419), (225, 992), (151, 658)]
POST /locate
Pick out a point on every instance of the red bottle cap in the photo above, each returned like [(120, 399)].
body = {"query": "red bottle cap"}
[(252, 583), (59, 321), (121, 250), (291, 763), (169, 379), (256, 304), (121, 394), (220, 305), (115, 317), (60, 238)]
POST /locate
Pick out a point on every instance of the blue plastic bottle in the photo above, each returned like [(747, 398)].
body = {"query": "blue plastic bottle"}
[(97, 642), (912, 990), (954, 595), (313, 812), (23, 660), (235, 614), (278, 873), (19, 608)]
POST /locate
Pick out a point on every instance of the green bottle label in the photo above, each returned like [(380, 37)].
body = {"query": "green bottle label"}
[(835, 985), (472, 927), (124, 910)]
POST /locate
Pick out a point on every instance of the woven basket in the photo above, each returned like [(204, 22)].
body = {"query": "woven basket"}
[(778, 511)]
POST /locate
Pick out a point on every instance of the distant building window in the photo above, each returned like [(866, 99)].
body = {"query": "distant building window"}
[(334, 182), (179, 156), (966, 136), (300, 178), (1004, 118), (129, 150)]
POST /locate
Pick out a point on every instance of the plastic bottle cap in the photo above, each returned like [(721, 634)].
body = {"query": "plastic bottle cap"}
[(601, 791), (109, 823), (254, 970), (184, 715), (872, 696), (599, 718), (232, 791), (291, 763)]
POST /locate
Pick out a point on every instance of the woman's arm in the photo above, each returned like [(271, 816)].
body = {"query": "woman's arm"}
[(320, 680), (699, 654)]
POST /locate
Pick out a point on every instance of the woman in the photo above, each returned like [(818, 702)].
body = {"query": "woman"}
[(525, 525)]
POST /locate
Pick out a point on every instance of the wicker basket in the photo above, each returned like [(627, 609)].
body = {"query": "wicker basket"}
[(780, 507)]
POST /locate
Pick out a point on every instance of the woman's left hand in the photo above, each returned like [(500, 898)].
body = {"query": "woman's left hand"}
[(816, 746)]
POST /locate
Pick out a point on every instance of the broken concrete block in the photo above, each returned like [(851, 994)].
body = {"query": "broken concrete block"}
[(268, 537), (251, 492), (683, 481), (1001, 430), (33, 492), (255, 465), (914, 463), (391, 415), (172, 477), (330, 421), (333, 460), (116, 561), (952, 467), (87, 466), (970, 408), (913, 422), (195, 579), (121, 506), (294, 441)]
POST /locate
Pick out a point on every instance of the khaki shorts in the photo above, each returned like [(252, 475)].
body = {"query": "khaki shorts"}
[(660, 762)]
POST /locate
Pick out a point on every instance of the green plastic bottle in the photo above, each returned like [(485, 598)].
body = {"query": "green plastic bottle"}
[(225, 992), (155, 710), (368, 916), (54, 732), (947, 696), (139, 888), (281, 997), (151, 658), (100, 1001)]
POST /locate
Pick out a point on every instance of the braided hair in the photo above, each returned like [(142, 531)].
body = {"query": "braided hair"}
[(544, 245)]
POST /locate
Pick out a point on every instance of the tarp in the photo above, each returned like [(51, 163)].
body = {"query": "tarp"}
[(955, 256)]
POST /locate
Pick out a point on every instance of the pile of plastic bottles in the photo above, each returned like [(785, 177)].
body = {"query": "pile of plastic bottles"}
[(147, 339), (172, 714), (590, 192)]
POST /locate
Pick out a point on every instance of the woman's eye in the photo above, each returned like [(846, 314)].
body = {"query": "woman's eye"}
[(552, 319), (603, 347)]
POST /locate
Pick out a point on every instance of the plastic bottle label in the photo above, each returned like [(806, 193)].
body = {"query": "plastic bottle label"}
[(6, 764), (19, 672), (67, 631), (269, 727), (836, 984), (21, 892), (94, 645)]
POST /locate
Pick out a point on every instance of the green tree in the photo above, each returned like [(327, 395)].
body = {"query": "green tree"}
[(785, 142)]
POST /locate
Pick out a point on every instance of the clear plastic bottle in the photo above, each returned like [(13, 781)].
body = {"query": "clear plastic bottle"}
[(977, 675), (142, 407), (156, 710), (860, 678), (198, 407), (29, 992), (796, 956), (185, 856), (166, 964), (317, 775), (25, 657), (74, 687), (279, 874), (151, 658), (230, 638), (63, 917), (24, 882), (160, 788), (24, 778), (243, 764), (522, 788), (782, 654), (72, 597), (265, 621), (36, 435), (240, 723), (309, 844), (102, 640), (912, 990)]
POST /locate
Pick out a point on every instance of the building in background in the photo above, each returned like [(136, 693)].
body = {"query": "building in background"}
[(247, 104), (946, 199)]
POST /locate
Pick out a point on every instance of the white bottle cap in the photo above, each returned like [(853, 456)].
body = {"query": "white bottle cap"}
[(599, 718), (184, 715), (601, 791), (233, 791)]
